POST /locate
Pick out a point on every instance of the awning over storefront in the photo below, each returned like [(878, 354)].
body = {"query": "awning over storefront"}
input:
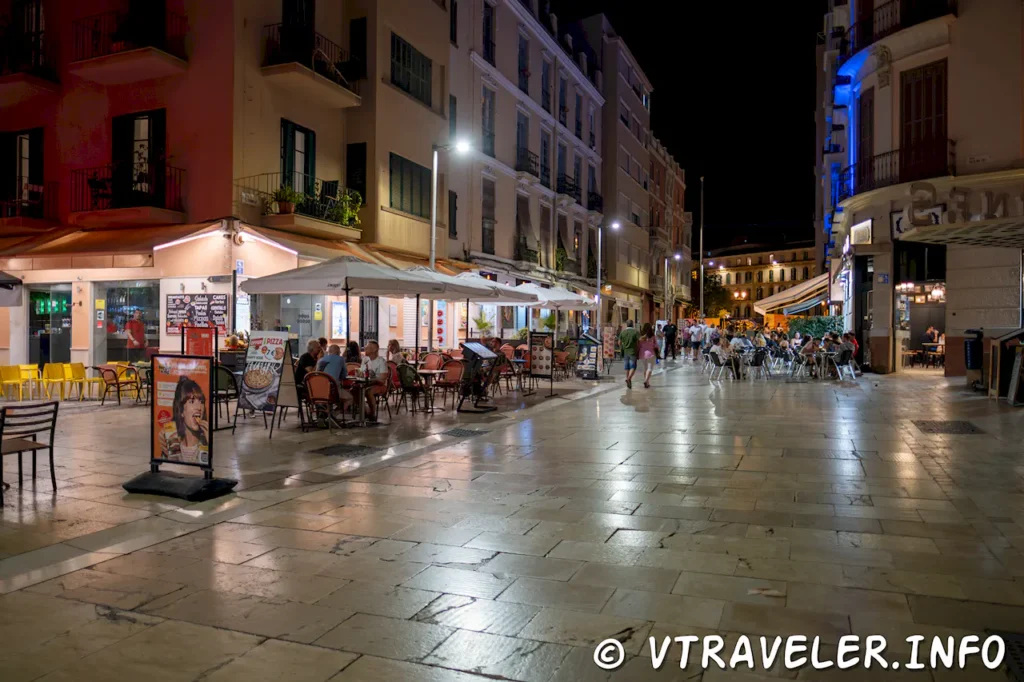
[(307, 248), (790, 298), (74, 241), (1001, 232), (804, 306)]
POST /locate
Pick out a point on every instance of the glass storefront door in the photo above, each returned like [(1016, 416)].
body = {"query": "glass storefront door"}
[(49, 323), (132, 319)]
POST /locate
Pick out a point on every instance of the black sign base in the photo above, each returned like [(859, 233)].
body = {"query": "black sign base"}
[(168, 484)]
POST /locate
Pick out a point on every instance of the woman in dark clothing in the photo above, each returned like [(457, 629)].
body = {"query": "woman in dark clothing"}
[(352, 353)]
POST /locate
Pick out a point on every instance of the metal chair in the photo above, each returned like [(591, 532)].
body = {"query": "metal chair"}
[(717, 366), (20, 428), (758, 364), (119, 379), (225, 389), (411, 386), (322, 395), (452, 381), (843, 363)]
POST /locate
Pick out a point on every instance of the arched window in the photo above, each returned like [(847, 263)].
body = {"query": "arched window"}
[(747, 275), (746, 311), (782, 274), (760, 276), (760, 293), (728, 278), (748, 260), (771, 275), (792, 274), (806, 271)]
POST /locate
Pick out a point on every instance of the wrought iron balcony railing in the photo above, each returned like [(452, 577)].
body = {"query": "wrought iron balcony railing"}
[(324, 200), (927, 159), (894, 16), (567, 185), (122, 30), (527, 162), (286, 44), (127, 184)]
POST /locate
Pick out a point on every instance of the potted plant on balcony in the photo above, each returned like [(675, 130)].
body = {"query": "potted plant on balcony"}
[(286, 199)]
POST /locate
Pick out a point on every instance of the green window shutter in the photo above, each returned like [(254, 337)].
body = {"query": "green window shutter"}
[(287, 152)]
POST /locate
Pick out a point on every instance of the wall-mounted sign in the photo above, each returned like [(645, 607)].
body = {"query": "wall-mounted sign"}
[(861, 233), (199, 310), (883, 279), (900, 224), (239, 266)]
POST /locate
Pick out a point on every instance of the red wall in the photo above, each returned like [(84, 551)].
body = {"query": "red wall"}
[(199, 103)]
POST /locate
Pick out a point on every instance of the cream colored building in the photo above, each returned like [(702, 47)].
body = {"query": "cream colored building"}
[(922, 172), (527, 197), (751, 274), (626, 120)]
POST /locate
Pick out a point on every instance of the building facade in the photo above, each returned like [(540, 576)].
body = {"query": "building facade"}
[(626, 125), (752, 273), (146, 146), (527, 201), (923, 210)]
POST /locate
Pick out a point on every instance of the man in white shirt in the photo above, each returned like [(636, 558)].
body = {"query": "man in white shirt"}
[(376, 369), (696, 338)]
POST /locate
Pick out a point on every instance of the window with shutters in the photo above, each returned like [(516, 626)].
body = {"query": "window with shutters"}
[(409, 186), (410, 70), (453, 23), (782, 275), (545, 86), (487, 216), (923, 136), (21, 174), (355, 168), (452, 107), (298, 157), (805, 273), (792, 274), (487, 122)]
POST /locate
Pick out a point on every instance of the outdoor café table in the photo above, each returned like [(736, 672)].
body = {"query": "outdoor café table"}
[(430, 375), (360, 384), (519, 365)]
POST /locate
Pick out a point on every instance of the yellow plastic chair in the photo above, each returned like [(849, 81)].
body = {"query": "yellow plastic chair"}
[(76, 377), (30, 375), (53, 373), (11, 376)]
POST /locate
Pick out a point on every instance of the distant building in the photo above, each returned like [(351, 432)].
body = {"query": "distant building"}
[(753, 272)]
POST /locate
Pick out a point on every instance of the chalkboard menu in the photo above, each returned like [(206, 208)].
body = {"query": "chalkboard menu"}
[(197, 310)]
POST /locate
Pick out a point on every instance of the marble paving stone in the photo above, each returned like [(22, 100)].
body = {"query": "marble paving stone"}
[(387, 637), (481, 615), (601, 553), (665, 608), (586, 629), (461, 582), (292, 621), (259, 582), (530, 566), (109, 589), (570, 596), (375, 669), (507, 657), (768, 620), (731, 588), (379, 600), (444, 554), (275, 660), (832, 599), (651, 579), (513, 544)]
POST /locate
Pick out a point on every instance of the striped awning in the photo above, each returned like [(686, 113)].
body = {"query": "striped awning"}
[(1001, 232), (784, 301)]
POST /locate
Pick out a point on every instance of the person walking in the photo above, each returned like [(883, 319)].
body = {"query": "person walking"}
[(671, 331), (629, 338), (647, 349)]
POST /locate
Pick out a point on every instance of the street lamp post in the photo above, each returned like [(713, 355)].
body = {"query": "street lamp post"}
[(600, 262), (702, 246), (667, 307), (461, 148)]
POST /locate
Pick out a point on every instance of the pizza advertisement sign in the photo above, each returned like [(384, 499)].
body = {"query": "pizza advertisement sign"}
[(182, 403), (264, 362), (197, 310)]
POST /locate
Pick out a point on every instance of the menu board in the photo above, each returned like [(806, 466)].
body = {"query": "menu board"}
[(199, 341), (541, 355), (199, 310), (588, 363), (261, 379), (182, 401), (608, 342)]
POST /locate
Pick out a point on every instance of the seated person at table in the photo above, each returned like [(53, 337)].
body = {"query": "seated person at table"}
[(376, 368), (809, 352), (929, 336), (395, 351), (306, 362), (738, 343), (726, 355), (323, 347), (331, 363), (352, 353)]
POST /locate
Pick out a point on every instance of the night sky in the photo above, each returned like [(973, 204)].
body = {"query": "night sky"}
[(734, 101)]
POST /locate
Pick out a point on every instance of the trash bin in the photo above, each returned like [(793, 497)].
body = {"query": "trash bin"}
[(973, 350)]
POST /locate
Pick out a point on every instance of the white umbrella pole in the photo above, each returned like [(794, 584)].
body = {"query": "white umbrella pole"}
[(348, 315), (467, 319), (416, 335)]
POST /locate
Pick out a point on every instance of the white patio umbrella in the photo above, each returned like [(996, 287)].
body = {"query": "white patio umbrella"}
[(557, 298), (350, 275), (502, 294)]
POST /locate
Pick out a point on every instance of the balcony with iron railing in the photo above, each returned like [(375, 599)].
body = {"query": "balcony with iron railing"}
[(323, 201), (32, 205), (26, 67), (129, 45), (527, 162), (894, 16), (595, 202), (145, 192), (310, 66), (567, 185), (919, 161)]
